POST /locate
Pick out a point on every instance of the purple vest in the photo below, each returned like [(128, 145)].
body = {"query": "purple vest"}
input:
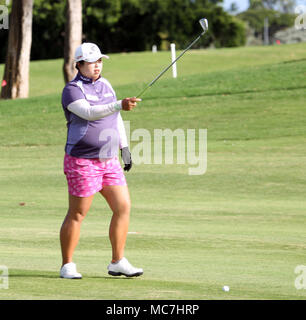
[(86, 139)]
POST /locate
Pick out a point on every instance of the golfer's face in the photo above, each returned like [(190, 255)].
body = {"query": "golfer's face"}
[(92, 69)]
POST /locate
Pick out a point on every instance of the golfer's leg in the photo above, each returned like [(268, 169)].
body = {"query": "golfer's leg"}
[(118, 198), (70, 230)]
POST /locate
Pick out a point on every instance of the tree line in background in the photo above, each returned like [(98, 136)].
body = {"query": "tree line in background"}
[(45, 29), (131, 25), (136, 25), (285, 6)]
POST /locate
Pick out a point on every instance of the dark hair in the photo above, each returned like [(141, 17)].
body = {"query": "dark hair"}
[(81, 63)]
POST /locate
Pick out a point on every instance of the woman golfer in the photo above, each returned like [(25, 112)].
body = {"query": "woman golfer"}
[(95, 133)]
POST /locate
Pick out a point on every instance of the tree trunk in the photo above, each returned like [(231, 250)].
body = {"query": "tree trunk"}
[(73, 36), (16, 73)]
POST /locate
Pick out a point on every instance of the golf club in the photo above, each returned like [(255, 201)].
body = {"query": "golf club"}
[(204, 24)]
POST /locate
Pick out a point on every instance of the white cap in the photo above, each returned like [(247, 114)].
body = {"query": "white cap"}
[(88, 52)]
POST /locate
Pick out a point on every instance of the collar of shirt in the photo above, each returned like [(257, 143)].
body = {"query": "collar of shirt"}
[(85, 79)]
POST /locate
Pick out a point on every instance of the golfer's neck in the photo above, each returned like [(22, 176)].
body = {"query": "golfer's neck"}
[(93, 78)]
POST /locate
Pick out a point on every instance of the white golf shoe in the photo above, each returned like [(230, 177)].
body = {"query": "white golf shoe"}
[(69, 271), (123, 268)]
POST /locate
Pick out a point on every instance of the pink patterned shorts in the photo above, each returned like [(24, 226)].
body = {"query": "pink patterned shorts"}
[(85, 177)]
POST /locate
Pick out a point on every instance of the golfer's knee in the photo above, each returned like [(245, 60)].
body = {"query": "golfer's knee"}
[(123, 209), (77, 216)]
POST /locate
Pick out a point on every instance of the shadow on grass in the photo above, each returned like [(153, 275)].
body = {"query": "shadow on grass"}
[(292, 61), (48, 275), (113, 278), (31, 274)]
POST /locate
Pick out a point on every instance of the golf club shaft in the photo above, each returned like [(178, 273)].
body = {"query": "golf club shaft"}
[(167, 68)]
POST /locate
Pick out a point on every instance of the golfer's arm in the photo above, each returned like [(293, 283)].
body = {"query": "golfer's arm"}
[(84, 110), (122, 134)]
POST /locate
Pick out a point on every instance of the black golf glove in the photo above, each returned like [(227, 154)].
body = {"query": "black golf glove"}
[(126, 158)]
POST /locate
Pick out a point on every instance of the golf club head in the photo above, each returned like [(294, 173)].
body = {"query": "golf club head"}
[(204, 24)]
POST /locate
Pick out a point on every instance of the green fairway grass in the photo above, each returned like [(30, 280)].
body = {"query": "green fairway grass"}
[(241, 224)]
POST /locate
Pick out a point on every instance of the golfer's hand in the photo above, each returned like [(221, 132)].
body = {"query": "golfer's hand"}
[(126, 158), (129, 103)]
